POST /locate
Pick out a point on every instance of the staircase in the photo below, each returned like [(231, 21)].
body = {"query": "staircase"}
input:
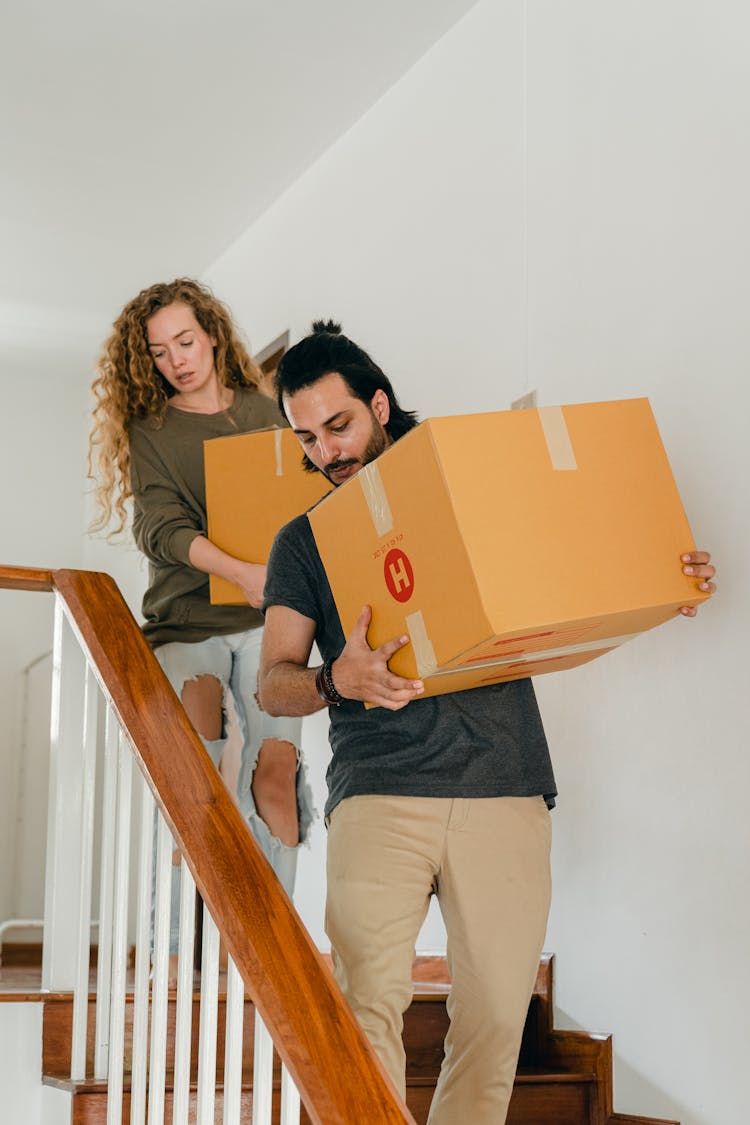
[(115, 717), (118, 728), (563, 1078)]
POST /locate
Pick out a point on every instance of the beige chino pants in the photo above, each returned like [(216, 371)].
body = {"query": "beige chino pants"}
[(487, 861)]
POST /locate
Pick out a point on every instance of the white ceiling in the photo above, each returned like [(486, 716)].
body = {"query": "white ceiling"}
[(139, 139)]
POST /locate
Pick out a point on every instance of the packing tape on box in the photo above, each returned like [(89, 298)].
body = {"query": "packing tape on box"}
[(279, 459), (375, 498), (424, 653), (556, 435)]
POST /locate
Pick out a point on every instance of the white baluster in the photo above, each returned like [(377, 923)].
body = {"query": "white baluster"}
[(290, 1100), (106, 897), (62, 882), (233, 1045), (159, 997), (139, 1064), (66, 957), (120, 935), (184, 1021), (262, 1074), (83, 953), (208, 1020)]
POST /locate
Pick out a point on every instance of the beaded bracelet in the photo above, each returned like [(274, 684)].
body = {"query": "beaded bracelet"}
[(325, 686)]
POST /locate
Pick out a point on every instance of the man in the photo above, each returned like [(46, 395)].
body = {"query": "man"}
[(447, 795)]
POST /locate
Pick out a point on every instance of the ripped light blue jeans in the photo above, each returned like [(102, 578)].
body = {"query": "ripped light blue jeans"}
[(234, 659)]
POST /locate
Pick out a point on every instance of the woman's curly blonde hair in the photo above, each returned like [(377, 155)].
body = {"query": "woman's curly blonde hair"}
[(129, 386)]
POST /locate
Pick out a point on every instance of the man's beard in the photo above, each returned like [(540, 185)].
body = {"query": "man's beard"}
[(378, 443)]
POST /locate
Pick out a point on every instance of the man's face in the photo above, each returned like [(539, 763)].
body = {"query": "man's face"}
[(339, 433)]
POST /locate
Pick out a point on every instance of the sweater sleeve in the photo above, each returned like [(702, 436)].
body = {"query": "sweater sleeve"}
[(165, 523)]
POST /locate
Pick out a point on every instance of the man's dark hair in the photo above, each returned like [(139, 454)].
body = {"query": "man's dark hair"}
[(327, 350)]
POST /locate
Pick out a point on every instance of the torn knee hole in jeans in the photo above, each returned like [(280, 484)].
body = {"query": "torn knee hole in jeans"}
[(274, 788), (204, 698)]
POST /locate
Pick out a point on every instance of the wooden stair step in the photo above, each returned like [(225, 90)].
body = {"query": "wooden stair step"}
[(58, 1023), (539, 1096), (542, 1076), (89, 1102), (564, 1077)]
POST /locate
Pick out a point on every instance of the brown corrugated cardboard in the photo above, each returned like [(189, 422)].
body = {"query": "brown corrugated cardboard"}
[(510, 544), (255, 484)]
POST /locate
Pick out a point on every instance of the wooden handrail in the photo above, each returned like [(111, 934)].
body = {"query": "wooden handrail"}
[(340, 1079), (25, 578)]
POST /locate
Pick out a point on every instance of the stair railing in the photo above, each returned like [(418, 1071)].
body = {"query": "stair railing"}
[(117, 728)]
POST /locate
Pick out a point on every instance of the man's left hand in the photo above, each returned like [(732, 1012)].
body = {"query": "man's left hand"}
[(697, 564)]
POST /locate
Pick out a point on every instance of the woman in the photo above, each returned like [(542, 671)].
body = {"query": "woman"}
[(172, 374)]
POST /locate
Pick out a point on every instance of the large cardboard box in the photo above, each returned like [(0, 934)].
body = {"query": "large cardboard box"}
[(510, 544), (255, 484)]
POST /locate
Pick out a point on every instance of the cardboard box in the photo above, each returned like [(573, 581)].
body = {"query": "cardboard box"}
[(255, 484), (510, 544)]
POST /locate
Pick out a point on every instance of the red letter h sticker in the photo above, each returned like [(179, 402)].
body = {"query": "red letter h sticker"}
[(399, 576)]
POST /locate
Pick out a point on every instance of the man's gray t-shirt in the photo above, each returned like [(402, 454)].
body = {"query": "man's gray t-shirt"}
[(484, 742)]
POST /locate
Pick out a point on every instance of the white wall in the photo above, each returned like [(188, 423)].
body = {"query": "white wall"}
[(639, 169), (570, 218), (554, 197), (24, 1098), (47, 506), (42, 459)]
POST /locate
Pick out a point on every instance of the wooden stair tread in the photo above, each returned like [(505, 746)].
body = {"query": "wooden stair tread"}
[(563, 1076), (528, 1075), (99, 1085), (544, 1074), (423, 991)]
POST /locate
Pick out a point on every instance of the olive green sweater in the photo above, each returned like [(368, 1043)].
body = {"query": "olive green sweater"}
[(169, 502)]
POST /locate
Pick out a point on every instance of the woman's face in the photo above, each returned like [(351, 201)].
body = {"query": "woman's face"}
[(182, 351)]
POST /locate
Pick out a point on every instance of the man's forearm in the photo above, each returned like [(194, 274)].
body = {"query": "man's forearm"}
[(288, 689)]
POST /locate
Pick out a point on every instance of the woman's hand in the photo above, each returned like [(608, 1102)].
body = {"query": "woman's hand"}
[(251, 579)]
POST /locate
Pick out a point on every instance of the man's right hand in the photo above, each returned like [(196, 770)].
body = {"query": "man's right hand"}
[(362, 673)]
